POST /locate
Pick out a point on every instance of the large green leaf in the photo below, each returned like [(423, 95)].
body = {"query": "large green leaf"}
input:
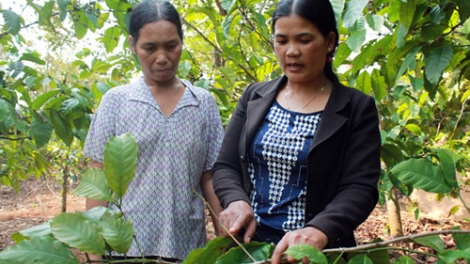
[(353, 11), (338, 6), (41, 132), (12, 21), (434, 242), (360, 259), (77, 232), (93, 185), (62, 8), (437, 60), (407, 12), (364, 82), (451, 256), (260, 251), (111, 38), (43, 99), (464, 9), (447, 165), (62, 128), (404, 260), (378, 85), (6, 110), (33, 57), (300, 251), (462, 241), (38, 250), (210, 253), (356, 40), (421, 174), (93, 214), (41, 230), (120, 158), (117, 232)]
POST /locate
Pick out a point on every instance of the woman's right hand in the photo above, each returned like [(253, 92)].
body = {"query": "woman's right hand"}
[(235, 217)]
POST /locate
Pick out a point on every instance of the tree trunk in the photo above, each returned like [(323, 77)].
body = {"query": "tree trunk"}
[(394, 217)]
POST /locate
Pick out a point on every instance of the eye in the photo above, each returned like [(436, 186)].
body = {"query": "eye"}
[(171, 47), (305, 41), (281, 41)]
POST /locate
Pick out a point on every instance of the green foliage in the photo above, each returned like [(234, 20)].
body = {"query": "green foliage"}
[(94, 231)]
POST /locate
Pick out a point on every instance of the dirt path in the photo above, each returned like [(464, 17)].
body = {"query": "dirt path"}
[(40, 200)]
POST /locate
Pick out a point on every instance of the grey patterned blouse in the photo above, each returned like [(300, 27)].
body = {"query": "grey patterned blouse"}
[(174, 151)]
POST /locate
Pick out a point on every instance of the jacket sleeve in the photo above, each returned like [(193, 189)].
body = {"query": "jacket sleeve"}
[(355, 194), (227, 172)]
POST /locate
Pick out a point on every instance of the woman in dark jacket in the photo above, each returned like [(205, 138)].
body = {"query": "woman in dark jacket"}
[(300, 159)]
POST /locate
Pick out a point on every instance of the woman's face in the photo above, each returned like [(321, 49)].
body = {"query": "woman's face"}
[(159, 50), (301, 48)]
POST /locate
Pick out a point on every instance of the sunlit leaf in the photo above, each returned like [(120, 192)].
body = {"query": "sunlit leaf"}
[(407, 12), (421, 174), (300, 251), (210, 252), (62, 128), (260, 251), (111, 38), (360, 259), (464, 9), (434, 242), (62, 8), (41, 132), (93, 185), (364, 82), (451, 256), (338, 6), (33, 57), (12, 21), (353, 11), (117, 232)]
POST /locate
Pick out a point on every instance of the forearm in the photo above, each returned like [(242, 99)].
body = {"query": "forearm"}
[(211, 199)]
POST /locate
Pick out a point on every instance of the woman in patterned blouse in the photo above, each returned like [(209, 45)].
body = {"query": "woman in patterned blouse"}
[(300, 159), (178, 131)]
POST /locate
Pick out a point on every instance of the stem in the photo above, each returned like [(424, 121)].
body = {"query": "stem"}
[(400, 239), (225, 229)]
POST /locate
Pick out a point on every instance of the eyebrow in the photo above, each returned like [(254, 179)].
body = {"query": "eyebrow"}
[(171, 41), (298, 35)]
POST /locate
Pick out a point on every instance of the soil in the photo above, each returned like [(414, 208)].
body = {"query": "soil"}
[(40, 200)]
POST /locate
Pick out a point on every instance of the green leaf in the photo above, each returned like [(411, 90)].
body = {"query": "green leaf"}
[(404, 260), (17, 68), (184, 67), (33, 57), (120, 158), (210, 253), (407, 12), (111, 38), (413, 128), (80, 27), (464, 9), (41, 230), (451, 256), (401, 35), (117, 232), (356, 40), (447, 165), (228, 74), (338, 6), (436, 61), (62, 9), (421, 174), (364, 82), (409, 59), (93, 185), (299, 251), (69, 104), (100, 66), (376, 256), (93, 214), (77, 232), (41, 132), (360, 259), (353, 11), (342, 53), (260, 251), (462, 241), (62, 128), (434, 242), (6, 110), (378, 85), (43, 99), (38, 250), (12, 21), (375, 22)]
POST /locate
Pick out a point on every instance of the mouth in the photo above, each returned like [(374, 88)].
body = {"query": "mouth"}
[(294, 66)]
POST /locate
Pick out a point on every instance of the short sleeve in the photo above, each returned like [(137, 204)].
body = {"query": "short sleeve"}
[(102, 128), (215, 133)]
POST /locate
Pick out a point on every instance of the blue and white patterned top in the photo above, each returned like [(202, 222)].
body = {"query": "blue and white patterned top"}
[(174, 151), (277, 162)]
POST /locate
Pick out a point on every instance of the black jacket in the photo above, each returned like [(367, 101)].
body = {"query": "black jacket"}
[(343, 161)]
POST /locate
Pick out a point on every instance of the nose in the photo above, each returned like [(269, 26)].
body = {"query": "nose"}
[(292, 50), (161, 58)]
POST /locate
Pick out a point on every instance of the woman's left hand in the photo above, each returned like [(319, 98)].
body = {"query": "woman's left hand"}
[(307, 235)]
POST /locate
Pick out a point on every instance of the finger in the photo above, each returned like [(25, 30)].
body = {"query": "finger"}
[(250, 231), (278, 251)]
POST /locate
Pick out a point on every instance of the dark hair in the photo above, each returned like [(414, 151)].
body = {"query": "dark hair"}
[(149, 11), (319, 12)]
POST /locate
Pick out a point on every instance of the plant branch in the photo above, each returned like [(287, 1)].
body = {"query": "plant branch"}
[(15, 139), (225, 229), (399, 239)]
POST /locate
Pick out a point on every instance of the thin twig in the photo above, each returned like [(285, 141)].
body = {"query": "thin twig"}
[(225, 229)]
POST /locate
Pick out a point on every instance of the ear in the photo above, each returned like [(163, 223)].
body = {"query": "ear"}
[(331, 40), (129, 39)]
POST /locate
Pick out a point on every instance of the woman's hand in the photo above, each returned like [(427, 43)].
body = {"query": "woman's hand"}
[(307, 235), (235, 217)]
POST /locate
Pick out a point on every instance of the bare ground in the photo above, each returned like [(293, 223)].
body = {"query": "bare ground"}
[(40, 200)]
